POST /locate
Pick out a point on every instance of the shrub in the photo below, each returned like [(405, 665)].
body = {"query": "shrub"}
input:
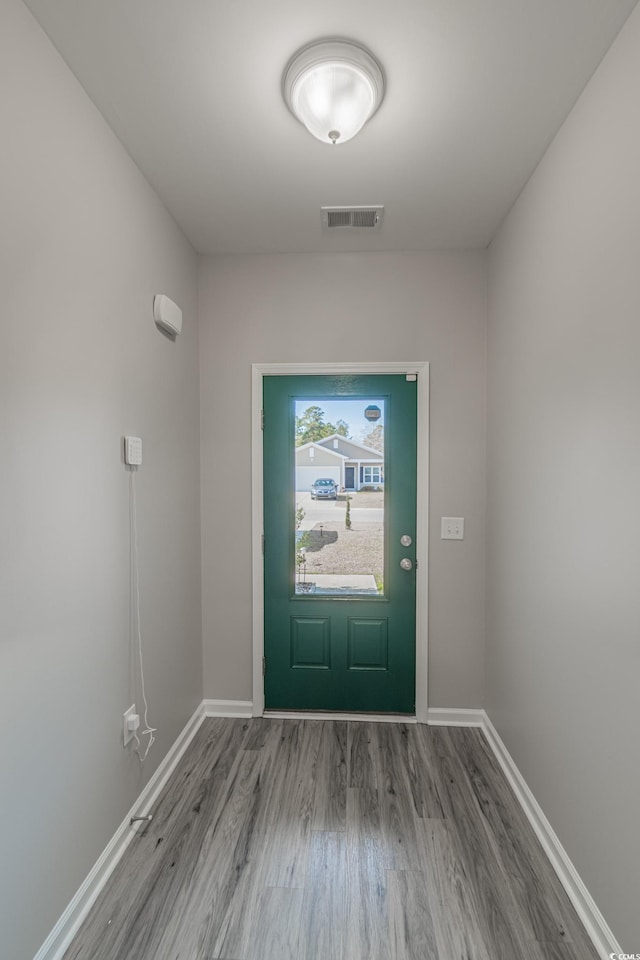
[(302, 539)]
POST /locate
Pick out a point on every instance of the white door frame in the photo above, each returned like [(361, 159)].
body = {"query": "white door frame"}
[(260, 370)]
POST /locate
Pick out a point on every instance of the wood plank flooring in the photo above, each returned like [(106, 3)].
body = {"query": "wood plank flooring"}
[(334, 840)]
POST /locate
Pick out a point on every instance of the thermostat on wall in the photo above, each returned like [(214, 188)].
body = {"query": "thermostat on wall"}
[(167, 314)]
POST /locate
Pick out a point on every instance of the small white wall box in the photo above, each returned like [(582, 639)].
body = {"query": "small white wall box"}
[(133, 451), (167, 314)]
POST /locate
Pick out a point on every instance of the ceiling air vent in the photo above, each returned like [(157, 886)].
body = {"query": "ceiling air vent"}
[(353, 218)]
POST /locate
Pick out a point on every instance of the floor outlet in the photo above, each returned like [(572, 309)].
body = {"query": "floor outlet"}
[(131, 722)]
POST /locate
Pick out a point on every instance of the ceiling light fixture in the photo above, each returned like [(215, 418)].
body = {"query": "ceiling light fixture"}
[(333, 87)]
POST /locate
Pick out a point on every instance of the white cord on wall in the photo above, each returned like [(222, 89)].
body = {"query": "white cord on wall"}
[(148, 730)]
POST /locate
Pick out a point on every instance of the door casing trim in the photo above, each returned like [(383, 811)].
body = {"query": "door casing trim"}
[(258, 372)]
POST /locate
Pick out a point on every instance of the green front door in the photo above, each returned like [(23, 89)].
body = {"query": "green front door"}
[(339, 548)]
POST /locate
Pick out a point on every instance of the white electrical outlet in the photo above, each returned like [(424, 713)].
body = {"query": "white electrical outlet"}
[(452, 528), (130, 723), (133, 451)]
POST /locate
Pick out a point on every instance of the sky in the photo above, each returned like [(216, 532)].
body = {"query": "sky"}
[(350, 410)]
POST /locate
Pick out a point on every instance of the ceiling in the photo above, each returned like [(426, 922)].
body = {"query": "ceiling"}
[(476, 89)]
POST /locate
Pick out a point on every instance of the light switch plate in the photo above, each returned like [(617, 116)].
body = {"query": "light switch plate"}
[(133, 451), (452, 528)]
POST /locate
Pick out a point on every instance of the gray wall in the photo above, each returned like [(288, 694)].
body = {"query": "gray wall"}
[(345, 307), (84, 245), (563, 608)]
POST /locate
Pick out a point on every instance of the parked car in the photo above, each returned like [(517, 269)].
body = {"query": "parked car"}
[(324, 489)]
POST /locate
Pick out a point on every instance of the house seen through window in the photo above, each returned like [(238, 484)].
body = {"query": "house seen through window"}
[(339, 496)]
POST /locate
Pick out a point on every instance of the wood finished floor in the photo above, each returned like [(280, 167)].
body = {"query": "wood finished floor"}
[(334, 840)]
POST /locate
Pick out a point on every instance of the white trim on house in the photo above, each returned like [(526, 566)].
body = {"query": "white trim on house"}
[(354, 443), (354, 460), (309, 471), (373, 467), (347, 460), (315, 443), (359, 466), (260, 370)]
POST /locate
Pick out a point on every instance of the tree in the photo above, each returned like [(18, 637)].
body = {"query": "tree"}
[(311, 426), (375, 438)]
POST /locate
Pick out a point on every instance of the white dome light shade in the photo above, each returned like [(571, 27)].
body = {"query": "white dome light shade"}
[(333, 101), (333, 87)]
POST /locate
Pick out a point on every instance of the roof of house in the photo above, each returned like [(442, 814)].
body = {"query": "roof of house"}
[(369, 452), (305, 446)]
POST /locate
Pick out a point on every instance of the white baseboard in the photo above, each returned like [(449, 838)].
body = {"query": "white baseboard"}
[(462, 717), (585, 906), (227, 708), (67, 926)]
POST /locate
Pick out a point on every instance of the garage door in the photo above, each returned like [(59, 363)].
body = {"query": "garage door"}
[(305, 476)]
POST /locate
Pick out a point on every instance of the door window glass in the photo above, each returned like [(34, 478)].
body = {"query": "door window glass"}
[(339, 496)]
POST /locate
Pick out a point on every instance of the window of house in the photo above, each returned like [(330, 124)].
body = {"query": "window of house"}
[(371, 475)]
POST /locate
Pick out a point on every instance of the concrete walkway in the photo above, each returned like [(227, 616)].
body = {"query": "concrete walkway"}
[(330, 583)]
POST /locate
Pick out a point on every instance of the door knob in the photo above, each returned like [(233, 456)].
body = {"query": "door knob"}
[(406, 564)]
